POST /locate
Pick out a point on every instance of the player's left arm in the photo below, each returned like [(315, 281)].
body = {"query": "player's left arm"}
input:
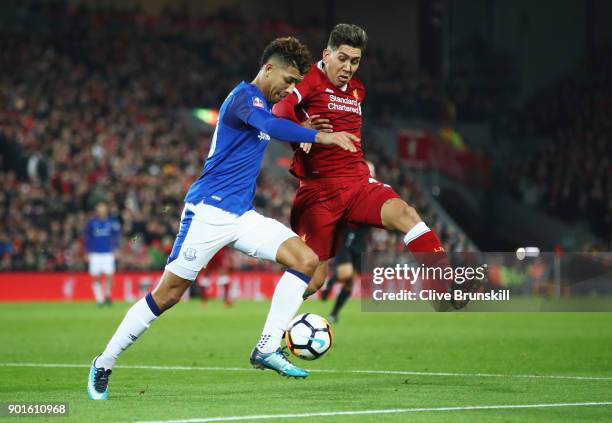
[(279, 128), (285, 130), (250, 109)]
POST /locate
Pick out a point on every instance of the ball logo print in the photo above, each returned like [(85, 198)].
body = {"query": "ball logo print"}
[(309, 336), (321, 342)]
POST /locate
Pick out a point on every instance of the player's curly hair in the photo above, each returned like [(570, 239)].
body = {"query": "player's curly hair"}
[(348, 34), (290, 51)]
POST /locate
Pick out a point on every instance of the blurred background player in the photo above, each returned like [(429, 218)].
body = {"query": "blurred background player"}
[(218, 269), (347, 263), (336, 188), (219, 212), (102, 236)]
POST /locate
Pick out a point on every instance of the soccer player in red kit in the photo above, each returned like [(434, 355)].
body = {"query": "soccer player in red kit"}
[(335, 185)]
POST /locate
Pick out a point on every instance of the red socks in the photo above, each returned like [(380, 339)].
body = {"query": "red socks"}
[(427, 250), (427, 242)]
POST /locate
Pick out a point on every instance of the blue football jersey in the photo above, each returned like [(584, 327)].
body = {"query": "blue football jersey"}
[(102, 235), (228, 180)]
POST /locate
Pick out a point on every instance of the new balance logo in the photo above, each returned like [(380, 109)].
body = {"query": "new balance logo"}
[(329, 90), (263, 136), (133, 337)]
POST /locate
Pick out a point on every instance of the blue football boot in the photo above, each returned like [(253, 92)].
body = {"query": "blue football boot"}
[(278, 362), (97, 385)]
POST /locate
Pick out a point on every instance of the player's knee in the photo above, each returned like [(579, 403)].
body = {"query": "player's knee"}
[(345, 271), (406, 216), (408, 212), (306, 262)]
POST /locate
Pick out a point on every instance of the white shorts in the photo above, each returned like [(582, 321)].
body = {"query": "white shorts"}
[(206, 229), (101, 263)]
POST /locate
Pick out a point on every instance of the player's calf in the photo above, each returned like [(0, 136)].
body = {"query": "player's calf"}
[(421, 241), (318, 279), (170, 290)]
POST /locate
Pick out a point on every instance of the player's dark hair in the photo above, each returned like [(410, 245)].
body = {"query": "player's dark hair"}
[(348, 34), (290, 51)]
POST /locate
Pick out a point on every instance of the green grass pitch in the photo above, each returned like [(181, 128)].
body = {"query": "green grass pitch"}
[(448, 360)]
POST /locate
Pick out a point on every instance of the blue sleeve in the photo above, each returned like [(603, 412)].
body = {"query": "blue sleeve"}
[(279, 128), (250, 109)]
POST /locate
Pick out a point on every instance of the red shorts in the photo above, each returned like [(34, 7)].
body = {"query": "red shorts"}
[(323, 209)]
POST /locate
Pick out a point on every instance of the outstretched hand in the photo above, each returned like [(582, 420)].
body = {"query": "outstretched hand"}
[(318, 123), (342, 139)]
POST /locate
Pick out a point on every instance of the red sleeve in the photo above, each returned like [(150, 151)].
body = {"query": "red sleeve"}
[(286, 107)]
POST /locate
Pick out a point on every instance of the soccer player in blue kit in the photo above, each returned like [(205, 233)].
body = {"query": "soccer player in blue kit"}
[(219, 211), (102, 236)]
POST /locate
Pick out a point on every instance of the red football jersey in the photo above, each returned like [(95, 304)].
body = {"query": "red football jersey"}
[(316, 95)]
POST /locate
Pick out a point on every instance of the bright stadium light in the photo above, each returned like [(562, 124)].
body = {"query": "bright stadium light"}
[(209, 116)]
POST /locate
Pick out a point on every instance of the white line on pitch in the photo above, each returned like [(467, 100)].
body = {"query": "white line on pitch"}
[(374, 372), (384, 411)]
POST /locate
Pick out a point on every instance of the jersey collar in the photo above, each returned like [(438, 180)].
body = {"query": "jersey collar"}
[(321, 66)]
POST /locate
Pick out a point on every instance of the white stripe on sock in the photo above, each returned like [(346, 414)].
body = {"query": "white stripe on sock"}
[(418, 230)]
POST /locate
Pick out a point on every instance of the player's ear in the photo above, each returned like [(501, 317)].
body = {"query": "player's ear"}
[(267, 68), (326, 53)]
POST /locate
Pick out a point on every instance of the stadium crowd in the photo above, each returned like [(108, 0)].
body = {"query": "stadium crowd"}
[(571, 176), (90, 113)]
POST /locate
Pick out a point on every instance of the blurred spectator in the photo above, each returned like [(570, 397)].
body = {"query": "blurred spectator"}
[(571, 177), (90, 102)]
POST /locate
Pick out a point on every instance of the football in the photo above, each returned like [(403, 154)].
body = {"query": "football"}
[(309, 336)]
